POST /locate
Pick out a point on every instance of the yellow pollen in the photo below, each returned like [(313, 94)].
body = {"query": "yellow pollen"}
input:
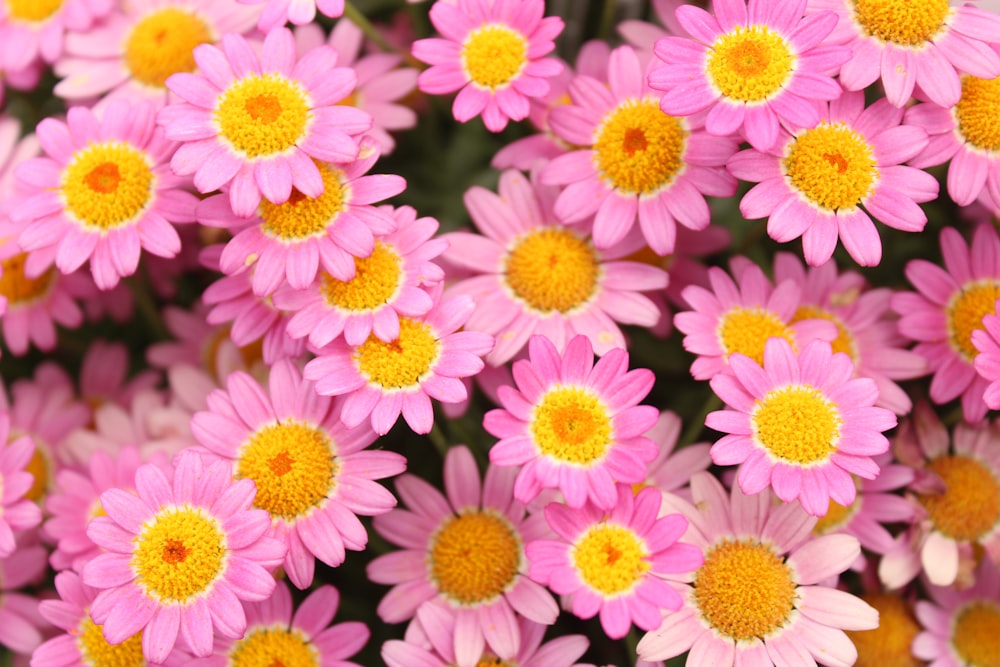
[(888, 645), (571, 424), (970, 505), (610, 559), (403, 363), (902, 22), (18, 288), (262, 115), (179, 553), (837, 516), (107, 185), (95, 650), (976, 634), (965, 312), (274, 646), (744, 589), (833, 166), (39, 466), (552, 270), (32, 11), (376, 279), (750, 64), (489, 660), (303, 217), (293, 465), (493, 55), (474, 557), (162, 43), (977, 111), (844, 342), (639, 149), (747, 330), (796, 424)]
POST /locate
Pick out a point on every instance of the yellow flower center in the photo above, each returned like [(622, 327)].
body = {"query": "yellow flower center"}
[(552, 270), (107, 185), (274, 647), (162, 43), (302, 217), (903, 22), (796, 424), (263, 115), (293, 465), (747, 330), (639, 149), (837, 516), (832, 166), (180, 552), (475, 556), (965, 312), (844, 342), (376, 280), (610, 559), (750, 64), (490, 660), (572, 425), (976, 635), (493, 55), (970, 505), (977, 111), (32, 11), (40, 467), (403, 363), (888, 645), (95, 650), (19, 289)]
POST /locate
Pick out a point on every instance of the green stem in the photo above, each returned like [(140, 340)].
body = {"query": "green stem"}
[(631, 641), (147, 308), (607, 18), (352, 14), (695, 427), (439, 440)]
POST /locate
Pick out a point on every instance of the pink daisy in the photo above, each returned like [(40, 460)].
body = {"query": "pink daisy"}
[(753, 68), (32, 30), (491, 51), (574, 425), (298, 12), (16, 511), (256, 123), (20, 624), (815, 181), (104, 375), (180, 557), (611, 561), (637, 163), (925, 43), (673, 467), (987, 361), (313, 475), (949, 305), (759, 599), (385, 379), (799, 423), (463, 552), (528, 274), (103, 193)]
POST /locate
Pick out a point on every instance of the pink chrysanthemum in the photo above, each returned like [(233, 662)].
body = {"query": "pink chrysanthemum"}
[(104, 192), (532, 275), (464, 554), (759, 599), (297, 12), (637, 163), (832, 179), (255, 124), (313, 475), (32, 30), (20, 623), (611, 562), (16, 512), (574, 425), (949, 305), (180, 557), (492, 53), (754, 68), (799, 423), (920, 43)]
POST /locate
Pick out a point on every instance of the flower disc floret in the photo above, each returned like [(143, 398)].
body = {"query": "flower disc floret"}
[(977, 111), (179, 554), (610, 558), (274, 647), (750, 63), (552, 270), (32, 11), (965, 312), (95, 649), (107, 185), (797, 424), (302, 217), (908, 23), (888, 645), (571, 424), (402, 363), (376, 281), (493, 55), (17, 287), (969, 507), (746, 331), (976, 635), (162, 43), (475, 556), (832, 165), (263, 114), (638, 149)]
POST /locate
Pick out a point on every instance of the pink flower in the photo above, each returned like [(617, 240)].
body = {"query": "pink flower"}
[(672, 469), (36, 30), (987, 362), (20, 624), (491, 52), (298, 12), (16, 511)]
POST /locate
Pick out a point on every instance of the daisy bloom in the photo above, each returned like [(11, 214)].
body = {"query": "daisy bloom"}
[(832, 179), (752, 68), (888, 645), (32, 30), (637, 163), (16, 511), (463, 551), (313, 475), (103, 192), (758, 598), (255, 124), (574, 425), (800, 423), (385, 379), (924, 43), (492, 53), (671, 470), (20, 625), (611, 561), (528, 274), (180, 556), (298, 12), (949, 304)]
